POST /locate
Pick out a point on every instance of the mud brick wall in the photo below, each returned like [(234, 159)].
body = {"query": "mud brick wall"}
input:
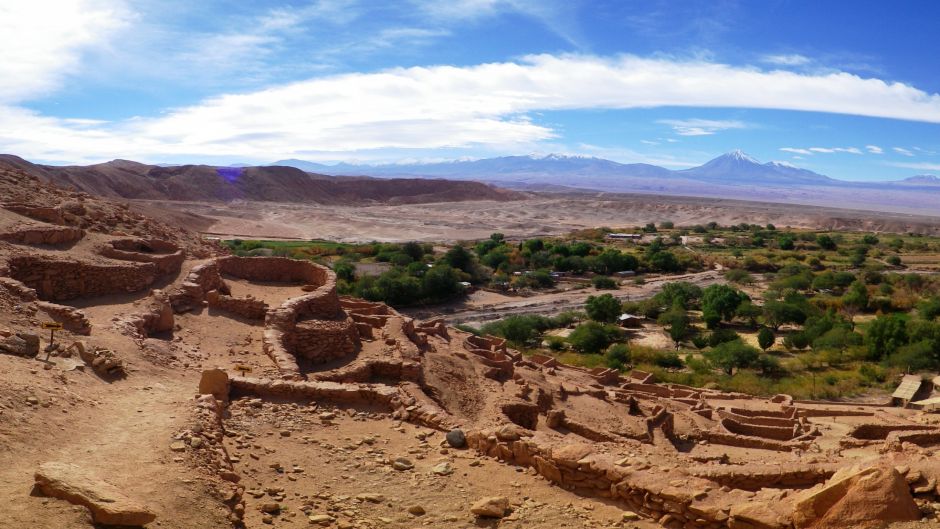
[(323, 340), (167, 256), (63, 279)]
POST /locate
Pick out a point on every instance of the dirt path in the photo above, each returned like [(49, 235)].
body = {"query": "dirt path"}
[(471, 312), (120, 432)]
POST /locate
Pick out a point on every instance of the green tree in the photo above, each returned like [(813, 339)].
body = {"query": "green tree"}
[(722, 300), (885, 336), (592, 337), (677, 324), (929, 309), (459, 258), (733, 355), (604, 308), (345, 270), (856, 298), (777, 313), (765, 338), (679, 292), (440, 282)]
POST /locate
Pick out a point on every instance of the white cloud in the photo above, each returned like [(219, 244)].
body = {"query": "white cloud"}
[(902, 150), (43, 41), (701, 127), (874, 149), (448, 106), (786, 60), (795, 150), (919, 166), (822, 150)]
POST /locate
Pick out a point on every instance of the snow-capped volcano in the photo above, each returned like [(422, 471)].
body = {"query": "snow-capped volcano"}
[(737, 167)]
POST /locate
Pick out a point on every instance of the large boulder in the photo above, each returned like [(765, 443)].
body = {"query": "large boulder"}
[(108, 505), (857, 498)]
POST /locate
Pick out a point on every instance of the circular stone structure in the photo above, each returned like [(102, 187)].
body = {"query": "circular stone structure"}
[(167, 257)]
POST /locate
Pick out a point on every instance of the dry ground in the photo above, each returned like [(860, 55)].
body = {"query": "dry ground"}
[(542, 214)]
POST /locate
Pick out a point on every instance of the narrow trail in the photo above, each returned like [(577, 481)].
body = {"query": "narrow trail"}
[(121, 435)]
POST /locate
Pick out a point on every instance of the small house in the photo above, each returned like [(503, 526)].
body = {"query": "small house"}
[(630, 321), (907, 391)]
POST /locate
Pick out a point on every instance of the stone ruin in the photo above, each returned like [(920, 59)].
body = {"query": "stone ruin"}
[(684, 457)]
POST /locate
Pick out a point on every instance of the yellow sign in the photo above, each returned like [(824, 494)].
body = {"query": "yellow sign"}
[(242, 369), (52, 325)]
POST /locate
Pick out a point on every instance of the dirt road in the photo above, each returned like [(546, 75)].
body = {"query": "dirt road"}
[(485, 306)]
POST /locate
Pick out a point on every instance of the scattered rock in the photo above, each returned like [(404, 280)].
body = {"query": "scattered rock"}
[(402, 464), (492, 507), (456, 438), (443, 469)]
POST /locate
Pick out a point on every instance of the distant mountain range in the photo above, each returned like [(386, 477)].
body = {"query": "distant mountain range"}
[(734, 175), (733, 168)]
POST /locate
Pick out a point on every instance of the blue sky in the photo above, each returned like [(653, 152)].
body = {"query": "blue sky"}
[(850, 89)]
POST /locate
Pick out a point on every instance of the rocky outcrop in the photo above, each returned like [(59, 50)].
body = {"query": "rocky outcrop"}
[(857, 498), (108, 505)]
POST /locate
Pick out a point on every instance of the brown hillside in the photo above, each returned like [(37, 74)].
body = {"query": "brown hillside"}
[(132, 180)]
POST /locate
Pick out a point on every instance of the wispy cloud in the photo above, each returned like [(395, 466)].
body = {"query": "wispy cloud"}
[(796, 150), (701, 127), (556, 15), (874, 149), (809, 151), (902, 150), (924, 166), (786, 60)]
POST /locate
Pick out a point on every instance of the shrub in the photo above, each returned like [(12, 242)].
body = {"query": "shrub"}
[(765, 338), (604, 283)]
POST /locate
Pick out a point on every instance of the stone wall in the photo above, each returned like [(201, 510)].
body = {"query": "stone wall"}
[(56, 279), (72, 319), (44, 234), (776, 433), (756, 477), (275, 269), (200, 281), (166, 256), (678, 503), (248, 307), (323, 340), (880, 431)]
